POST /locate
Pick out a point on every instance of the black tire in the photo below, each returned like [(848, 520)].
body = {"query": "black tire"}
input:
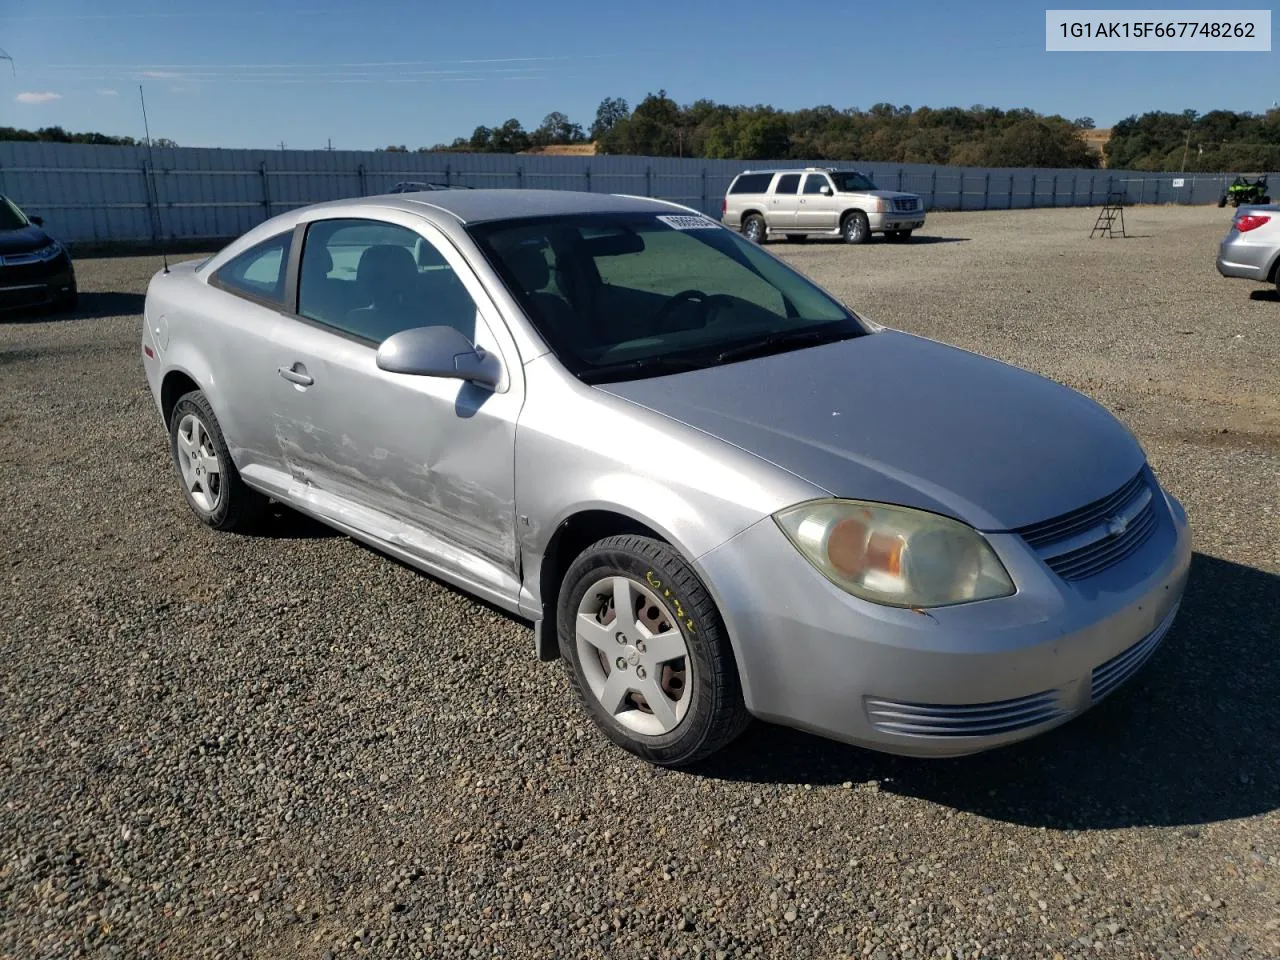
[(754, 228), (855, 227), (1222, 201), (1266, 199), (238, 506), (717, 714)]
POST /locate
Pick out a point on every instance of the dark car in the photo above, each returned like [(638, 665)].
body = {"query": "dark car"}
[(35, 269)]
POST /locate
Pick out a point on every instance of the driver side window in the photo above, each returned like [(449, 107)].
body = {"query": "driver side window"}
[(371, 279)]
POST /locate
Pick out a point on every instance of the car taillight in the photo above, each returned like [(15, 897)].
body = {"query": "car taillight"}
[(1250, 221), (724, 207)]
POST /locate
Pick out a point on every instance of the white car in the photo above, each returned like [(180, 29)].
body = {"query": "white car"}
[(818, 202)]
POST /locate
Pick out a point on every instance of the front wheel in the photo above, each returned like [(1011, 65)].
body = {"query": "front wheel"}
[(856, 228), (647, 652), (1222, 201)]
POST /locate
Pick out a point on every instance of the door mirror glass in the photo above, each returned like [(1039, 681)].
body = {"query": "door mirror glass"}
[(438, 352), (825, 190)]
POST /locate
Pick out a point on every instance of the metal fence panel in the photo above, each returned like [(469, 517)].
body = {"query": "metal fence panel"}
[(92, 193)]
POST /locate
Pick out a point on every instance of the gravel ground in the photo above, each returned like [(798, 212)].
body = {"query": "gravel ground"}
[(290, 746)]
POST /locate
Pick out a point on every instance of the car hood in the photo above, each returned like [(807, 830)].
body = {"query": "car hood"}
[(888, 194), (23, 240), (896, 418)]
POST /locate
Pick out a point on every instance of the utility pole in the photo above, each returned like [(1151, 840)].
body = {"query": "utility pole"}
[(281, 146), (1185, 148)]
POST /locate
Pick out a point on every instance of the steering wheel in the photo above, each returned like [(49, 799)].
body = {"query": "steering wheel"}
[(662, 319)]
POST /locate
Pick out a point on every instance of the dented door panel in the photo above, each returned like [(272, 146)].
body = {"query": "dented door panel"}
[(433, 454)]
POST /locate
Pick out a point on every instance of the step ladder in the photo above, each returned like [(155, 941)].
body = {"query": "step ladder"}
[(1112, 213)]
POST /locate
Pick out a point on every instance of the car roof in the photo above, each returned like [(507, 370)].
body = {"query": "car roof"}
[(479, 206), (802, 170)]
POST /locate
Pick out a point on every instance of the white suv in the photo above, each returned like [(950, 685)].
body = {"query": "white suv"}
[(818, 201)]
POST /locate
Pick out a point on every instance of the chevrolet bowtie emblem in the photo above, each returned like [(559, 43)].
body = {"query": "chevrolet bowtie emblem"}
[(1116, 526)]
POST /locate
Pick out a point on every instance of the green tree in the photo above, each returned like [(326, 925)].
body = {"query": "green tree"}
[(509, 138), (558, 129), (608, 114)]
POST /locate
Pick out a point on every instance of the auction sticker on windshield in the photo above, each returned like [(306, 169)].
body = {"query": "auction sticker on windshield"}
[(689, 222)]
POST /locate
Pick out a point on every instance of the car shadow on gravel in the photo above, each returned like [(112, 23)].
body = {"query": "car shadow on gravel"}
[(283, 523), (1191, 739), (90, 306), (1272, 296)]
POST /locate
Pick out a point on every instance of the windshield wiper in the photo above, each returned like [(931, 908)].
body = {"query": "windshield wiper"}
[(781, 342), (644, 366)]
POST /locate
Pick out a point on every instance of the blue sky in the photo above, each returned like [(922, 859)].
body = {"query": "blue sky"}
[(371, 72)]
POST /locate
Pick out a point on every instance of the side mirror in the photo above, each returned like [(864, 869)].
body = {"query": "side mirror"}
[(438, 352), (38, 221), (825, 190)]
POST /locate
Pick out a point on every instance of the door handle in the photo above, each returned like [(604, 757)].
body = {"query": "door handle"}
[(298, 375)]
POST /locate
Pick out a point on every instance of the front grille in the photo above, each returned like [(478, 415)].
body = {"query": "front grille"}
[(905, 204), (963, 720), (1120, 668), (1087, 541), (37, 271)]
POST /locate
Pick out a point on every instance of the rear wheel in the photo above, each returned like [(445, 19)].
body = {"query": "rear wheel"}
[(855, 228), (647, 652), (214, 490), (753, 228)]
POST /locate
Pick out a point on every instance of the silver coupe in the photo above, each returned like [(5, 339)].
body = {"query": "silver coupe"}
[(715, 490)]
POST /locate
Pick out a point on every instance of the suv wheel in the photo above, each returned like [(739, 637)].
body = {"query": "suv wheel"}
[(753, 228), (647, 652), (212, 485), (855, 228)]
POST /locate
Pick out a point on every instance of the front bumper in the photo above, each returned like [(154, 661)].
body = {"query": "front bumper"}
[(894, 220), (952, 680), (37, 284), (1248, 261)]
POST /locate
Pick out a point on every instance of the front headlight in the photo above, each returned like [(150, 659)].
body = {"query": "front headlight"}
[(895, 555)]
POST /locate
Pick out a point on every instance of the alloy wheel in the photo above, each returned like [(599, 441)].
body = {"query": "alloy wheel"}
[(633, 655), (198, 463)]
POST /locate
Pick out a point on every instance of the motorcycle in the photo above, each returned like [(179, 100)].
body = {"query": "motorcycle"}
[(1245, 191)]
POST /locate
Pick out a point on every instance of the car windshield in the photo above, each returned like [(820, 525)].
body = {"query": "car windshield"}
[(625, 295), (852, 182), (11, 218)]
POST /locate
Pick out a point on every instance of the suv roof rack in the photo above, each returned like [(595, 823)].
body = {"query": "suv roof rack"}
[(792, 170)]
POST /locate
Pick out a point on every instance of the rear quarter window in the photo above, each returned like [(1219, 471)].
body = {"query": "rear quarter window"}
[(259, 272), (751, 183)]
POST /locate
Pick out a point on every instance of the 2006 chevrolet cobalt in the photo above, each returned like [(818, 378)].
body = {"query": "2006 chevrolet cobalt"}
[(715, 490)]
